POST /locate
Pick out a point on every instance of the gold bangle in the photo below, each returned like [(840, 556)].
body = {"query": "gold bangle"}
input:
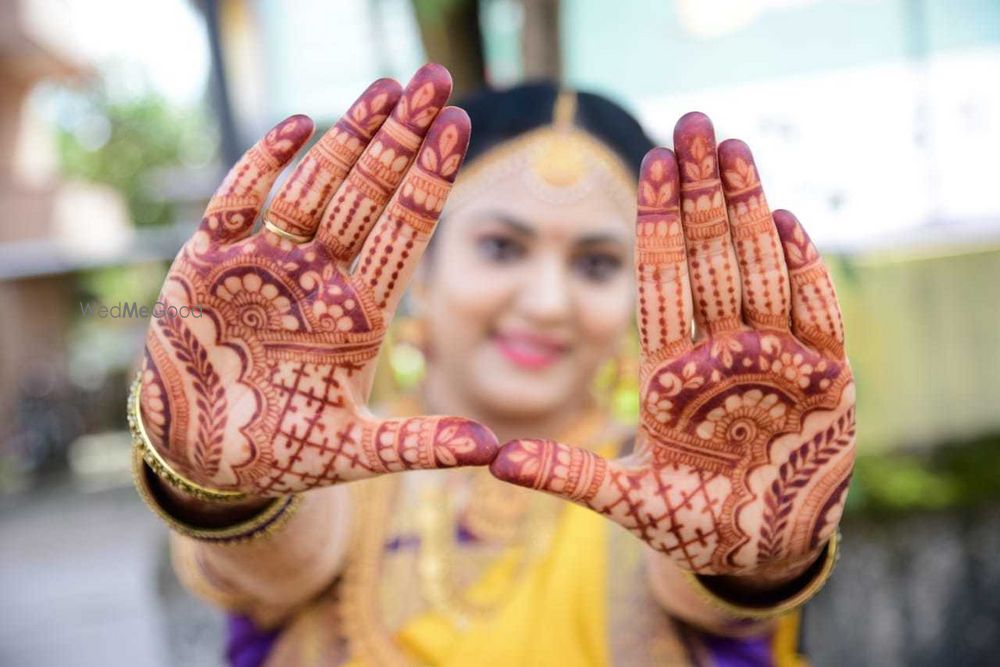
[(829, 560), (268, 521), (159, 465), (275, 229)]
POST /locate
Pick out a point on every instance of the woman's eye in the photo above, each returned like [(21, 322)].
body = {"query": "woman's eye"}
[(597, 267), (500, 249)]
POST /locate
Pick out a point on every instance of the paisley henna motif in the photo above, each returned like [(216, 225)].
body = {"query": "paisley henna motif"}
[(746, 435), (265, 390)]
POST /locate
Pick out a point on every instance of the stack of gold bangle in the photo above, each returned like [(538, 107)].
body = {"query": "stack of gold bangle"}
[(821, 571), (145, 460)]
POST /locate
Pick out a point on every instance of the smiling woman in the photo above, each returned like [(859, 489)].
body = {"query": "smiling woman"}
[(543, 217), (248, 422)]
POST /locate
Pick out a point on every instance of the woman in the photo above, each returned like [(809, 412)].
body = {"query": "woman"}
[(249, 419)]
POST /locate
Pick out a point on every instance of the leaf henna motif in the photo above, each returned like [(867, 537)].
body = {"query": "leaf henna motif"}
[(273, 377), (746, 433), (210, 398), (801, 468)]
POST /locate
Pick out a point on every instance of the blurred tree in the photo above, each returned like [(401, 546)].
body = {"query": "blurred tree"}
[(540, 45), (121, 142), (451, 35)]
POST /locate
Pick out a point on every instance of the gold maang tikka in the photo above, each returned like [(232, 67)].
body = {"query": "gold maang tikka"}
[(558, 163)]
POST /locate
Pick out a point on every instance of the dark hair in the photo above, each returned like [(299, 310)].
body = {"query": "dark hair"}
[(501, 115)]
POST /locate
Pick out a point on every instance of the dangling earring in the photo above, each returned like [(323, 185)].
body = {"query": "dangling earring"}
[(616, 385), (408, 350)]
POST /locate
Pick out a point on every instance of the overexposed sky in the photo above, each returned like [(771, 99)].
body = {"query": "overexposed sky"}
[(159, 43)]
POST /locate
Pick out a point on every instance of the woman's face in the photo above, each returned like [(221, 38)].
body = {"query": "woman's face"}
[(524, 298)]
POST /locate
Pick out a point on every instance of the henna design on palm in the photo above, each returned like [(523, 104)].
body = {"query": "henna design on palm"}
[(267, 390), (746, 438)]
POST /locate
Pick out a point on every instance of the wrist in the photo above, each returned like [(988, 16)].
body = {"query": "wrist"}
[(159, 465), (196, 511), (229, 523), (771, 577), (774, 598)]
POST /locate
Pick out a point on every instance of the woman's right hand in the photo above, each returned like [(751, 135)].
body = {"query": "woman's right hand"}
[(258, 368)]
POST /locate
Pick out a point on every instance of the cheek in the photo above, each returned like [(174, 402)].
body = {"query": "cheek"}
[(605, 312), (464, 302)]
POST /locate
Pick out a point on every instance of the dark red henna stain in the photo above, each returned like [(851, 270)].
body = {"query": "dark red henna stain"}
[(303, 197), (758, 248), (746, 440), (234, 207), (273, 372)]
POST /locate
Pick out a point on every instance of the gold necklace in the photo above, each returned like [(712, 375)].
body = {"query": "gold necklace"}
[(500, 513)]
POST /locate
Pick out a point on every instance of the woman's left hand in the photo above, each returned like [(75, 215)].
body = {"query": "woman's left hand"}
[(746, 441)]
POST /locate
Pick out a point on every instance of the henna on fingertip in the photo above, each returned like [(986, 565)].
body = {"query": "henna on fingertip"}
[(233, 208), (816, 316), (712, 265), (300, 202), (357, 205), (664, 308), (763, 274)]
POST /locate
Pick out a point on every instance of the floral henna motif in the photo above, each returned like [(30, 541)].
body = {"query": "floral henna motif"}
[(715, 278), (715, 418), (758, 248), (319, 174), (264, 388), (816, 317), (412, 213), (231, 213), (357, 206), (662, 278), (746, 437)]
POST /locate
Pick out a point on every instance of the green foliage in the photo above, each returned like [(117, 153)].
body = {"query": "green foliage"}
[(949, 476), (122, 142)]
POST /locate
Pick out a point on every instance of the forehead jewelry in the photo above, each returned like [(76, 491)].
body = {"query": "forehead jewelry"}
[(557, 163)]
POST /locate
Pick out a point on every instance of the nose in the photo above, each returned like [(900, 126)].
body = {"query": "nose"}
[(545, 295)]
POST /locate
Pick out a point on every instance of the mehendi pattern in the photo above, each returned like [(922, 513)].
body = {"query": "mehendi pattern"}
[(746, 435), (263, 388)]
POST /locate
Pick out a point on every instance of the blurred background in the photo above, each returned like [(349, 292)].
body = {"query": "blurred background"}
[(876, 121)]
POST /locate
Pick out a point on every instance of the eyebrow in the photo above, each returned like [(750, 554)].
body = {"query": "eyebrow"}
[(515, 224), (524, 228), (600, 239)]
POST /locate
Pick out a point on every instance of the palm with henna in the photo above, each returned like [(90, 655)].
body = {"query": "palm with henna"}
[(267, 390), (746, 438)]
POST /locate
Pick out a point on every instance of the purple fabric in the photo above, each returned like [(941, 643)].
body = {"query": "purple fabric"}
[(745, 652), (406, 542), (402, 542), (246, 644)]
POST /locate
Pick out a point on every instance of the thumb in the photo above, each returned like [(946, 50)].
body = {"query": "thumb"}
[(576, 474), (422, 443)]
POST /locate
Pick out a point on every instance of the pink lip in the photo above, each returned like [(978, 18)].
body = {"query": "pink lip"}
[(530, 351)]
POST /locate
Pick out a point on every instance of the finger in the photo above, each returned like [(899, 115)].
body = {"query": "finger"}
[(660, 506), (766, 299), (360, 200), (393, 249), (424, 443), (715, 280), (302, 198), (573, 473), (664, 308), (816, 317), (234, 206)]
